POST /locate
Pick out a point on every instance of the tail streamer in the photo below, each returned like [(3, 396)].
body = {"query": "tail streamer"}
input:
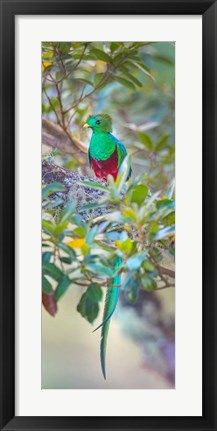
[(111, 300)]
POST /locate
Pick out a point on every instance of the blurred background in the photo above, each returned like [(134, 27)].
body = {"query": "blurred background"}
[(140, 350), (134, 82)]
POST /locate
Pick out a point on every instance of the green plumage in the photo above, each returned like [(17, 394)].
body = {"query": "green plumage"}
[(106, 152), (101, 146), (111, 300)]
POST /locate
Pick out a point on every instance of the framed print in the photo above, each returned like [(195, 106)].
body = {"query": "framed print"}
[(108, 267)]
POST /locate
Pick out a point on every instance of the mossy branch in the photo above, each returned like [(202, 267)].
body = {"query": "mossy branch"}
[(74, 191)]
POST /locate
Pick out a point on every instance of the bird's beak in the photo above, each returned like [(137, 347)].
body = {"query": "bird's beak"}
[(85, 126)]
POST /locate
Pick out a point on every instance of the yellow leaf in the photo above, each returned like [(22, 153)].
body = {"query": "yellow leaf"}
[(46, 64), (47, 54), (76, 243), (129, 213), (100, 66)]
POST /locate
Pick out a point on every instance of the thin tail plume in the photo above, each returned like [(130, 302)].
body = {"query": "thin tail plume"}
[(111, 300)]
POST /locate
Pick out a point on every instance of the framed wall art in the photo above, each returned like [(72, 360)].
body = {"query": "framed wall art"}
[(108, 224)]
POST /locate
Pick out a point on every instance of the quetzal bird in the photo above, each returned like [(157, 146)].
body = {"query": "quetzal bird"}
[(105, 155)]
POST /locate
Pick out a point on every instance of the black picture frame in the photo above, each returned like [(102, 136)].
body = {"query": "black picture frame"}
[(8, 11)]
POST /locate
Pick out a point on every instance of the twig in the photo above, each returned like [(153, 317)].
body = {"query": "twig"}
[(59, 97), (81, 99), (52, 106), (65, 75), (167, 271)]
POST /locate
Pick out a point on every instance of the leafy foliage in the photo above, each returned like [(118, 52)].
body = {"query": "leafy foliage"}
[(139, 227)]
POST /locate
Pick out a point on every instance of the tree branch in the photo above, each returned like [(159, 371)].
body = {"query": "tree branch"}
[(167, 271), (74, 191), (54, 136)]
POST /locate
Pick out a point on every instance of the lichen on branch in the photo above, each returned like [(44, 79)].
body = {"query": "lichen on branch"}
[(74, 191)]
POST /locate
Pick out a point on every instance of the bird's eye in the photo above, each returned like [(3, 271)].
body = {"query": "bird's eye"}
[(98, 121)]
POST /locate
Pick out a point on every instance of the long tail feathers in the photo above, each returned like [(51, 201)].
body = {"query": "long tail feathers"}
[(109, 308)]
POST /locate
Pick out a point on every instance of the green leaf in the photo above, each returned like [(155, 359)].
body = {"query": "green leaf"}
[(146, 140), (48, 227), (101, 55), (123, 69), (123, 173), (134, 79), (104, 246), (93, 185), (88, 305), (170, 190), (153, 227), (149, 284), (125, 246), (91, 234), (80, 231), (161, 143), (98, 78), (130, 64), (53, 271), (152, 199), (166, 231), (92, 206), (99, 269), (62, 287), (60, 228), (66, 260), (112, 236), (64, 46), (169, 219), (94, 292), (124, 82), (46, 286), (134, 262), (52, 204), (131, 287), (165, 204), (129, 214), (148, 266), (85, 249), (77, 219), (67, 212), (114, 46), (115, 196), (88, 309), (139, 193), (68, 250), (52, 188), (164, 59), (118, 58), (141, 66), (46, 257)]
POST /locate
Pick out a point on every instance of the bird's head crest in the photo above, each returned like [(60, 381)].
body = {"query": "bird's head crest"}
[(100, 123)]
